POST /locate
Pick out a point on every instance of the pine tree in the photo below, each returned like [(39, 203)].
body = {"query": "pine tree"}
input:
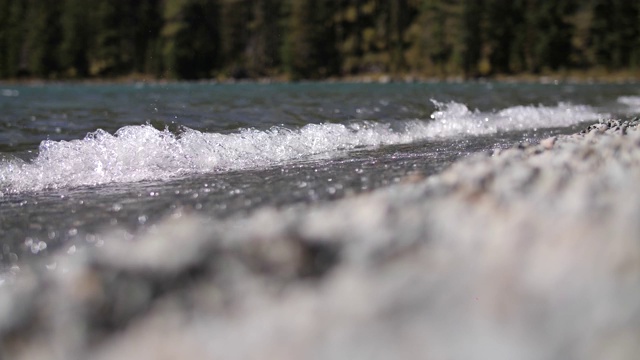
[(417, 51), (349, 24), (503, 35), (190, 38), (42, 37), (472, 16), (615, 32), (5, 6), (108, 55), (553, 35), (401, 15), (76, 38), (145, 31), (234, 35), (16, 51), (310, 50), (439, 48), (262, 48)]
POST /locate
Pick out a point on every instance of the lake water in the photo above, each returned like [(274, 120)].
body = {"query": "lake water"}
[(78, 160)]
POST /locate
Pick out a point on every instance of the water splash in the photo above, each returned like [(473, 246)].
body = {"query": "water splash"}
[(141, 152)]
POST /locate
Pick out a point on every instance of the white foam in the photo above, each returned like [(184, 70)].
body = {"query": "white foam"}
[(632, 103), (9, 92), (141, 152), (454, 119)]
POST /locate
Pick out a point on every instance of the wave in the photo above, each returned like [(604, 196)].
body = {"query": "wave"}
[(141, 152)]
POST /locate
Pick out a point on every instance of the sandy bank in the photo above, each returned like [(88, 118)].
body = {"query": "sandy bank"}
[(526, 253)]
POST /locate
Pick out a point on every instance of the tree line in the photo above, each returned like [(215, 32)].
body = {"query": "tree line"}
[(312, 39)]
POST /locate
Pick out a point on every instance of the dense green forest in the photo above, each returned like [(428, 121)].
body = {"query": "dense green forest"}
[(311, 39)]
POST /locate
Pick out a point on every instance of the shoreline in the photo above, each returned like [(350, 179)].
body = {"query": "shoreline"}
[(589, 77), (529, 252)]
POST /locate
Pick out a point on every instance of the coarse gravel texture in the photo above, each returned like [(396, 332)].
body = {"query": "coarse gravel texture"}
[(527, 253)]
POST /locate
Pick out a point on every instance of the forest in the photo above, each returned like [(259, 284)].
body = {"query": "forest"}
[(315, 39)]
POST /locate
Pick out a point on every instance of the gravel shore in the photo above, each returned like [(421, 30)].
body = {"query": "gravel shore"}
[(527, 253)]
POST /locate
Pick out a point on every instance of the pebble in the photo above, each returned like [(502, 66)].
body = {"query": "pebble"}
[(548, 143)]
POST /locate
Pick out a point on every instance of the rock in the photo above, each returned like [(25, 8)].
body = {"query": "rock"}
[(548, 143)]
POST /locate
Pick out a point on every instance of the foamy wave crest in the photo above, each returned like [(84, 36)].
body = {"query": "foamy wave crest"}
[(136, 153), (632, 102), (454, 119)]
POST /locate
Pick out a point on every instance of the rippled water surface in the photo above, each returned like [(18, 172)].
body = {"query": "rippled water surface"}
[(77, 160)]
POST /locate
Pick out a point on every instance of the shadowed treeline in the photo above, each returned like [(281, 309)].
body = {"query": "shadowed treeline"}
[(296, 39)]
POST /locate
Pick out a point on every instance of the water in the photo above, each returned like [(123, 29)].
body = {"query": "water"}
[(79, 160)]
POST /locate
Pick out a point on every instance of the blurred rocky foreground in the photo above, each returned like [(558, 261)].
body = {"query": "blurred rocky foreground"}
[(526, 253)]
